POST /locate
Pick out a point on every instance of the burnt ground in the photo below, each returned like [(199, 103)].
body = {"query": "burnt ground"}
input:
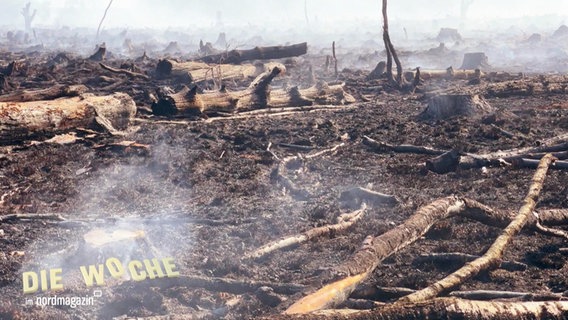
[(202, 194)]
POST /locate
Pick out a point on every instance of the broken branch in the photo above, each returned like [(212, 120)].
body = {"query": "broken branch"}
[(493, 256), (344, 221)]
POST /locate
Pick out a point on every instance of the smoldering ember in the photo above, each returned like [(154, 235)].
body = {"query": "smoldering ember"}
[(283, 159)]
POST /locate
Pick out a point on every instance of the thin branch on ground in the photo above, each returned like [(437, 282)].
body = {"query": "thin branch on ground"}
[(463, 258), (344, 221)]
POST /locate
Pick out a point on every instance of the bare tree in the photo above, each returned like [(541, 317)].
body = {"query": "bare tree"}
[(28, 18), (391, 52), (103, 18)]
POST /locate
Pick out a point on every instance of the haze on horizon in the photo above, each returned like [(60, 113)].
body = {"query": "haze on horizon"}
[(272, 13)]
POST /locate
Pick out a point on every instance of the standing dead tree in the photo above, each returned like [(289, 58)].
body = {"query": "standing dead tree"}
[(103, 18), (28, 18), (398, 82), (391, 52)]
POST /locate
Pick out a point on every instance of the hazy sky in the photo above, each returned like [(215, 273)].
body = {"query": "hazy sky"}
[(153, 13)]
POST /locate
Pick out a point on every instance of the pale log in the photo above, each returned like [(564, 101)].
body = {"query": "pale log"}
[(23, 120), (195, 72), (188, 101), (492, 257)]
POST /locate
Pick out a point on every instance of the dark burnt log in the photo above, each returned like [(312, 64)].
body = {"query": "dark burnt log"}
[(51, 93), (12, 67), (258, 53), (533, 164), (444, 163), (23, 120), (4, 84)]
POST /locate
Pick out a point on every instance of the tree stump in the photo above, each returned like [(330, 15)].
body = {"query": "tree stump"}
[(561, 32), (448, 34), (475, 60), (447, 106), (378, 72), (221, 41)]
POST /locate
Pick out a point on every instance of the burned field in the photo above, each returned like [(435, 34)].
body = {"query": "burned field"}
[(204, 166)]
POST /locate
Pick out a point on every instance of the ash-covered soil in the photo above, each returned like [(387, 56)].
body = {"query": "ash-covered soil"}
[(202, 194)]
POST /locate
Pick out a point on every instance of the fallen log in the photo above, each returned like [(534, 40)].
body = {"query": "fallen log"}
[(257, 96), (344, 279), (344, 221), (24, 120), (449, 74), (492, 295), (384, 294), (51, 93), (462, 258), (257, 53), (447, 308), (124, 71), (528, 87), (196, 72), (320, 93), (188, 101), (492, 257), (447, 160)]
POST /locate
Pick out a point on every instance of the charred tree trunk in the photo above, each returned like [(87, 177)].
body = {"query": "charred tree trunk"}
[(391, 52), (258, 53), (23, 120)]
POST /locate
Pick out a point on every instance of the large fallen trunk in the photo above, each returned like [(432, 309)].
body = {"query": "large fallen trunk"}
[(188, 101), (195, 72), (257, 96), (258, 53), (50, 93), (23, 120)]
